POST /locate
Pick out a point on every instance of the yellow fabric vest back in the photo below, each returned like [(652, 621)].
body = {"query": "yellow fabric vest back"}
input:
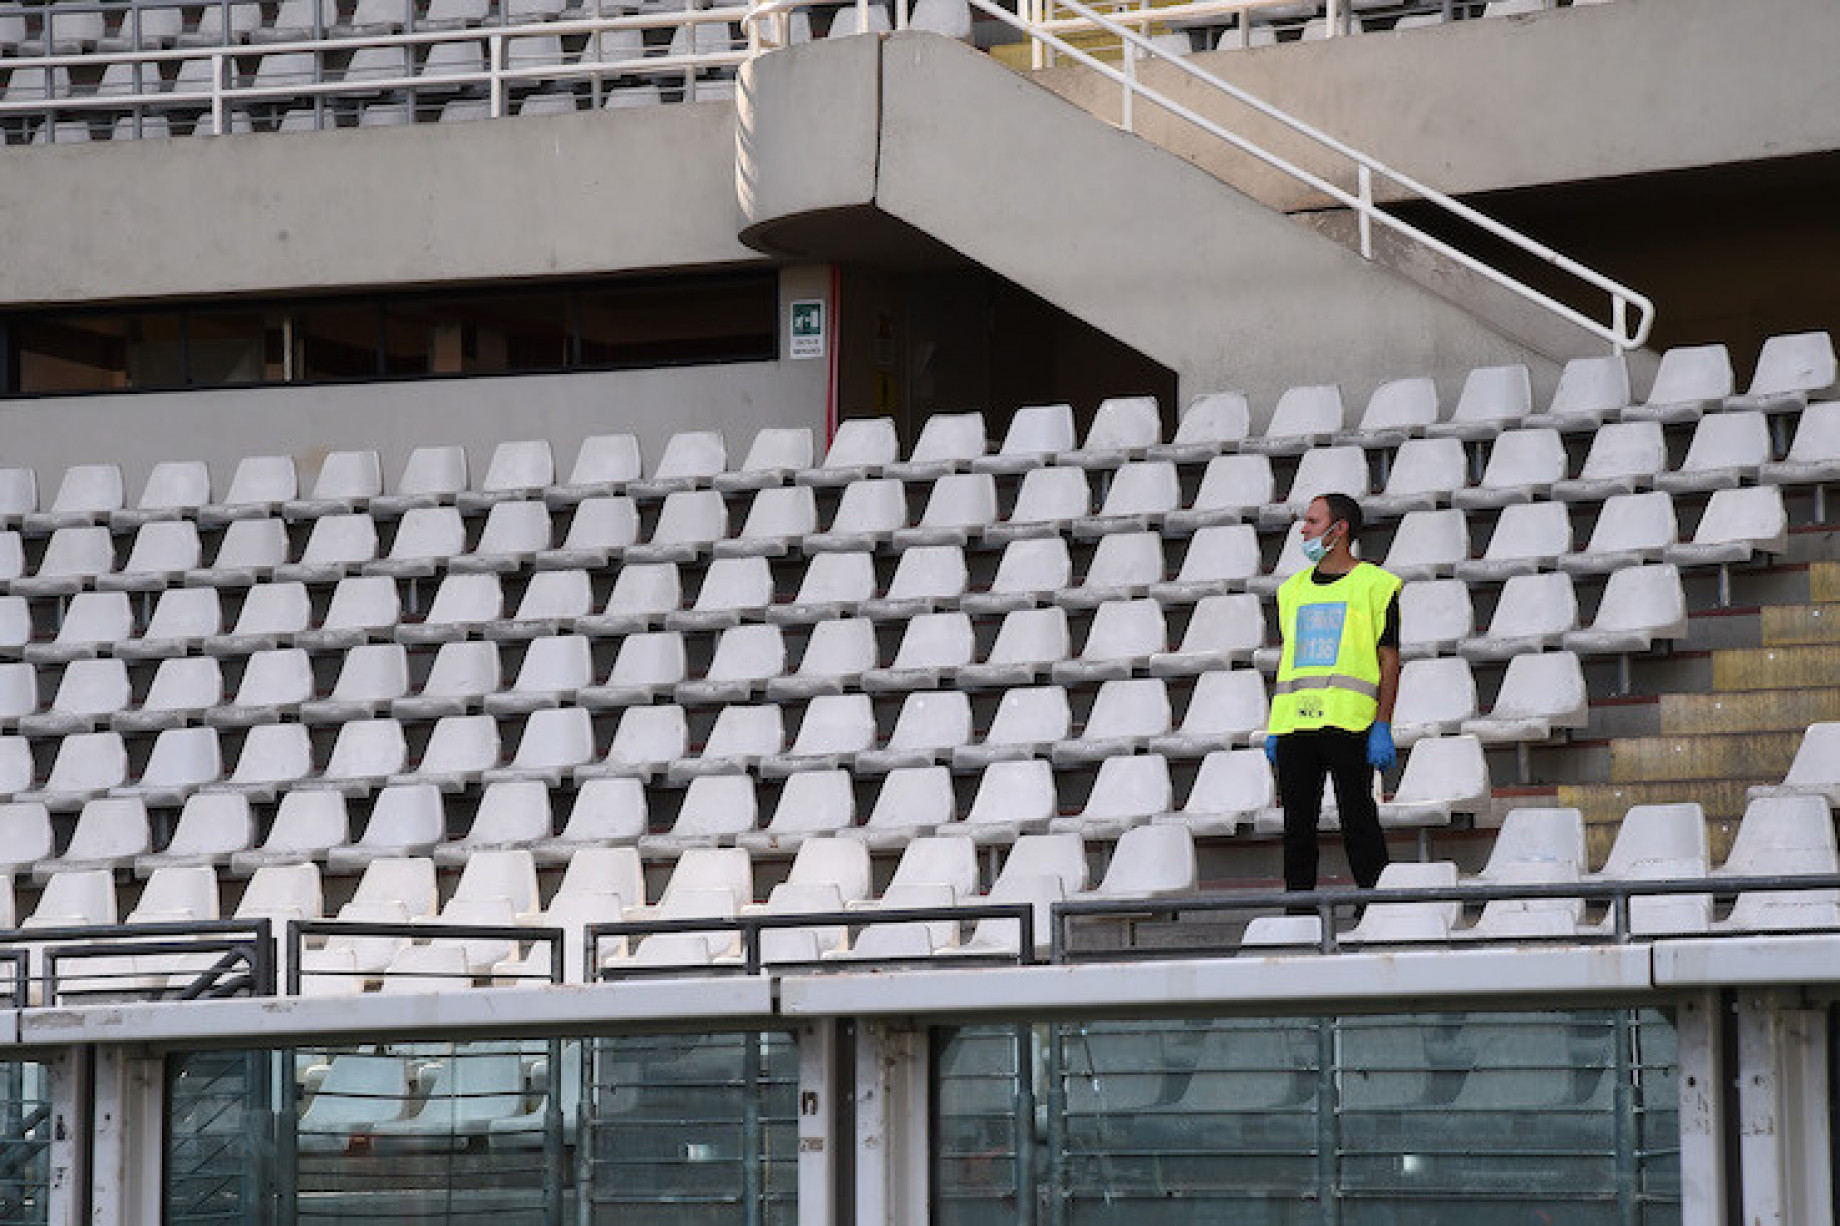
[(1329, 675)]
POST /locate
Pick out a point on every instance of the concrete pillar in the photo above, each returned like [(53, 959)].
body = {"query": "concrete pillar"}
[(892, 1171), (1782, 1111)]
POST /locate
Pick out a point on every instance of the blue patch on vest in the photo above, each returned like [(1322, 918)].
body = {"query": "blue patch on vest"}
[(1319, 635)]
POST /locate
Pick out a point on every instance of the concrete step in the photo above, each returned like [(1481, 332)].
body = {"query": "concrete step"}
[(1776, 668), (1756, 756), (1603, 806), (1824, 581), (1747, 711), (1801, 624)]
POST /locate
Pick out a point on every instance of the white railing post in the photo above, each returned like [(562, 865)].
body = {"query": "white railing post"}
[(1365, 176), (1129, 90), (495, 47), (218, 116)]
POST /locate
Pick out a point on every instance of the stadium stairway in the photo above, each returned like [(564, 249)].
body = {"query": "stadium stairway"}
[(1723, 713), (921, 133)]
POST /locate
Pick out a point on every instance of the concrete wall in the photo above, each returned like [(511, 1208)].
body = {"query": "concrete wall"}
[(1141, 245), (220, 426), (543, 196), (1621, 89)]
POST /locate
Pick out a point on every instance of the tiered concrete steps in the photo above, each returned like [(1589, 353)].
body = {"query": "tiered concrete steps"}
[(1744, 730)]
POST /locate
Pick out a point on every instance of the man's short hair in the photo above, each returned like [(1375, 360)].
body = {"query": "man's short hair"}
[(1344, 508)]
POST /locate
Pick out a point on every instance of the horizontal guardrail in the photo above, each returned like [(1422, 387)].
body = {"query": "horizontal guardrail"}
[(298, 932)]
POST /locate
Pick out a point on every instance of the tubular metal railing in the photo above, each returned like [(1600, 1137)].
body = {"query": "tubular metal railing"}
[(1621, 333)]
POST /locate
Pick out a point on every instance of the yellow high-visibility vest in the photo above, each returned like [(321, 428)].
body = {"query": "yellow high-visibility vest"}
[(1329, 675)]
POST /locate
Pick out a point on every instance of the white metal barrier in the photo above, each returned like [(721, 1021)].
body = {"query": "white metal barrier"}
[(1621, 332)]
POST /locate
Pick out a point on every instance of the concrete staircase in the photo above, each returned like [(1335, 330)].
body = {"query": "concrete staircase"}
[(1741, 729)]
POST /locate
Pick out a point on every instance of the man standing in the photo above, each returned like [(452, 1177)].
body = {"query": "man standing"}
[(1332, 710)]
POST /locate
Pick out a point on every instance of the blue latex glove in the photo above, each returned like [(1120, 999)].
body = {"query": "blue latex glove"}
[(1380, 752), (1271, 750)]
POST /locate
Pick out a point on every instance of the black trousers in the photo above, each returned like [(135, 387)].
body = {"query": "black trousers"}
[(1305, 759)]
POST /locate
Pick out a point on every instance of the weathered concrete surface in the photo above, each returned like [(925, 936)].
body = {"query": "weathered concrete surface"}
[(1197, 276)]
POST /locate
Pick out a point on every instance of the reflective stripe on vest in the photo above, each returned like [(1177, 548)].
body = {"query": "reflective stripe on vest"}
[(1329, 672)]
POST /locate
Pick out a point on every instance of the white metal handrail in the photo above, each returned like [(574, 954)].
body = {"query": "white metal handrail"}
[(1621, 332)]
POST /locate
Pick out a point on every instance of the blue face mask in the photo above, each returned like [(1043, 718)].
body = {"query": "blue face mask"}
[(1317, 549)]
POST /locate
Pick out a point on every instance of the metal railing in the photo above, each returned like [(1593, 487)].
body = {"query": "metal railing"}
[(518, 935), (1620, 332), (146, 960)]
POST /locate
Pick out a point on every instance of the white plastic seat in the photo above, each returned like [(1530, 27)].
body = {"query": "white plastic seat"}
[(1029, 572), (646, 667), (1791, 370), (182, 690), (745, 657), (715, 809), (1523, 466), (646, 740), (934, 646), (26, 827), (1396, 411), (1662, 842), (778, 518), (1528, 537), (1232, 788), (913, 802), (338, 545), (1435, 615), (599, 532), (517, 469), (960, 506), (1140, 495), (1425, 474), (12, 557), (110, 832), (271, 615), (1494, 399), (1625, 456), (211, 828), (72, 560), (1534, 613), (1060, 855), (1225, 707), (273, 685), (837, 654), (1048, 503), (250, 550), (554, 742), (432, 475), (1435, 696), (1814, 453), (733, 590), (833, 585), (1212, 423), (86, 494), (1443, 776), (1124, 635), (307, 826), (358, 1093), (365, 755), (1013, 799), (175, 489), (457, 682), (347, 480), (79, 898), (181, 761), (426, 539), (690, 524), (1690, 380), (1223, 631), (462, 605), (861, 448), (372, 677), (690, 460), (739, 738), (813, 804), (1123, 567), (1303, 418), (1029, 643), (1728, 450), (88, 693), (604, 463), (1815, 770), (497, 888), (18, 692), (607, 812), (1783, 836), (868, 513), (18, 495), (512, 814), (405, 820), (297, 21), (162, 553), (1540, 692), (1127, 792), (775, 455), (15, 764), (392, 890), (1737, 523), (930, 726), (832, 731), (905, 940), (1428, 545), (553, 600), (274, 757), (1028, 722), (1640, 604), (1036, 433), (460, 750), (1631, 529), (1389, 923), (1122, 429), (926, 578), (1322, 470), (362, 608), (87, 765), (553, 669), (1591, 391)]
